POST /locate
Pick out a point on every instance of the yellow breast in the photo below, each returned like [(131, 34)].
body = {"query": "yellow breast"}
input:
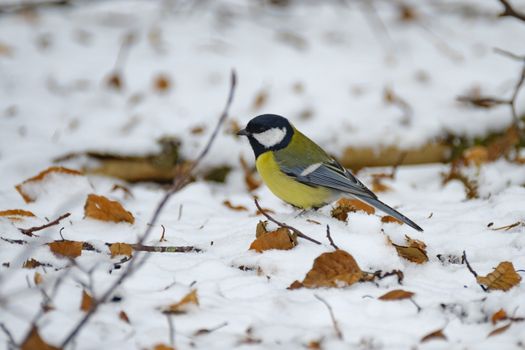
[(286, 188)]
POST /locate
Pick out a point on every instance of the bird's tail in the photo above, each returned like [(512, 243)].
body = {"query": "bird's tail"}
[(376, 203)]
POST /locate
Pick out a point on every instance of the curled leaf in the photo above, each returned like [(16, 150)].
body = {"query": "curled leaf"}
[(26, 189), (184, 304), (498, 316), (499, 330), (101, 208), (16, 214), (229, 204), (434, 335), (345, 205), (390, 219), (414, 251), (504, 277), (282, 239)]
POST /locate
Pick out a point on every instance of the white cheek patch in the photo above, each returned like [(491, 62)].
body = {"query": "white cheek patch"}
[(270, 137), (310, 169)]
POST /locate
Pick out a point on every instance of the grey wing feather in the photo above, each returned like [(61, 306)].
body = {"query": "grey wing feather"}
[(331, 175)]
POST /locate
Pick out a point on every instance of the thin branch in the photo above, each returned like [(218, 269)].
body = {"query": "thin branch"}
[(11, 340), (282, 224), (509, 11), (398, 273), (29, 231), (165, 249), (178, 184), (464, 260), (329, 236), (507, 227), (338, 332)]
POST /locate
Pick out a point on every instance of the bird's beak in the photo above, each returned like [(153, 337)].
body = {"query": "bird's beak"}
[(243, 132)]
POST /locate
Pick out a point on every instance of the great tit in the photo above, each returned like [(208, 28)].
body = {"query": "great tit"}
[(299, 172)]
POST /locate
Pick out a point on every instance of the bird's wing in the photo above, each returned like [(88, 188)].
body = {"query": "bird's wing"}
[(328, 174)]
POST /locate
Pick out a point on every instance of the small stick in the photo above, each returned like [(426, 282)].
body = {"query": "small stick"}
[(338, 332), (29, 231), (509, 11), (329, 236), (415, 304), (507, 227), (282, 224), (464, 259), (171, 330), (163, 249), (11, 340), (162, 239)]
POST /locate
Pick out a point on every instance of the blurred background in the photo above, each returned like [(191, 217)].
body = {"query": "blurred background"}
[(373, 82)]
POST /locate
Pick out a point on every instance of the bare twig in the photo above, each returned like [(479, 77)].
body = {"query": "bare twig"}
[(380, 275), (415, 304), (11, 340), (29, 231), (329, 236), (509, 11), (162, 239), (464, 260), (171, 329), (338, 332), (507, 227), (178, 184), (209, 330), (282, 224), (165, 249)]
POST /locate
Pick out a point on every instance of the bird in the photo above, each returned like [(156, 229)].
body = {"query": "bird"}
[(300, 172)]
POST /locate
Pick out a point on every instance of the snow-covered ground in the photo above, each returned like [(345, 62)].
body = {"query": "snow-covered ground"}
[(326, 67)]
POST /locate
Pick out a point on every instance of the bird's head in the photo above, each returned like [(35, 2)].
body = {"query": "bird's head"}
[(268, 132)]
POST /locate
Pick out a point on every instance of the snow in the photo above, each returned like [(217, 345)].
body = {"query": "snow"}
[(326, 59)]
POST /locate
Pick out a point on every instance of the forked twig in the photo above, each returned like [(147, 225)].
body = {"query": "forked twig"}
[(282, 224), (178, 184), (464, 259), (509, 11), (29, 231)]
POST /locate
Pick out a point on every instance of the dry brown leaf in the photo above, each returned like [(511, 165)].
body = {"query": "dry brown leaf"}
[(38, 278), (41, 176), (70, 249), (504, 277), (333, 269), (197, 130), (379, 186), (389, 219), (345, 205), (16, 214), (498, 316), (162, 83), (114, 81), (123, 316), (414, 251), (396, 294), (101, 208), (434, 335), (120, 249), (282, 239), (87, 301), (476, 155), (183, 305), (229, 204), (499, 330), (314, 345), (163, 347), (31, 264), (249, 176), (35, 342)]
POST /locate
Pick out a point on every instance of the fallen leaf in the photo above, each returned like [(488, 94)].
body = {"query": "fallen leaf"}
[(228, 204), (396, 294), (38, 278), (162, 83), (314, 345), (476, 155), (345, 205), (101, 208), (31, 264), (197, 130), (123, 316), (120, 249), (87, 301), (163, 347), (414, 251), (499, 330), (16, 214), (35, 342), (184, 304), (70, 249), (31, 197), (282, 239), (391, 219), (434, 335), (333, 269), (498, 316), (379, 186), (504, 277)]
